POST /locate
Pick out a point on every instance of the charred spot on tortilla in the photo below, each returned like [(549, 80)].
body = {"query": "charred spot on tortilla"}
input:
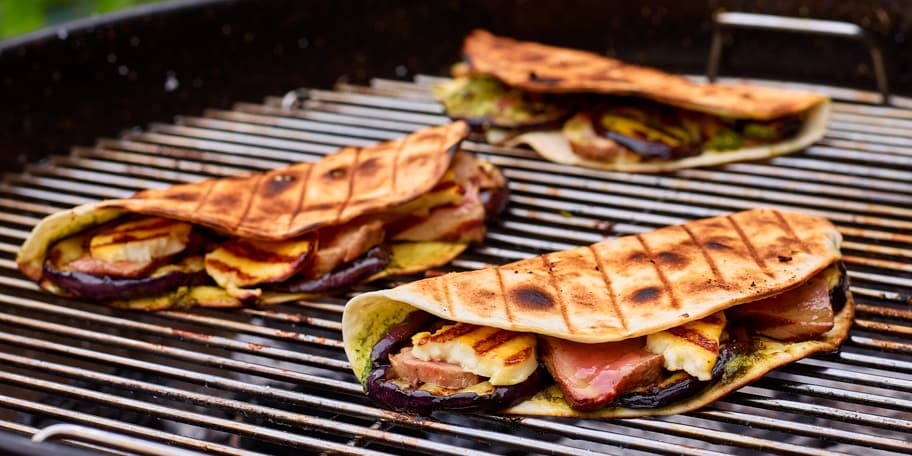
[(645, 295), (336, 173), (638, 257), (532, 298), (183, 196), (369, 166), (417, 160), (224, 200), (671, 259), (278, 184), (719, 244)]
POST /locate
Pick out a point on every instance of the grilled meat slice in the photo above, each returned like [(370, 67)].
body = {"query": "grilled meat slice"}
[(592, 375), (455, 223), (800, 314), (341, 244), (417, 371), (459, 220)]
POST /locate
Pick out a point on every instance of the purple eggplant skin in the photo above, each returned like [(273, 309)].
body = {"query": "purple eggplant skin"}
[(346, 274), (660, 396), (393, 397), (398, 336), (424, 403), (654, 148), (103, 287), (495, 201)]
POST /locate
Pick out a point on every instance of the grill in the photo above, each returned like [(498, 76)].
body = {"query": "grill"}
[(275, 380)]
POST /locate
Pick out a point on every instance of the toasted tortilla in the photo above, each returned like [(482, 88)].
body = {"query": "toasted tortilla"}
[(276, 205), (541, 68), (623, 288), (549, 69), (284, 203)]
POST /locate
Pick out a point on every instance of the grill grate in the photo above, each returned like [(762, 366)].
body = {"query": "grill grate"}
[(275, 380)]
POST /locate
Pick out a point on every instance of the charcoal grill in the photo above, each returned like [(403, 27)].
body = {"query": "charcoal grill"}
[(239, 382), (274, 380)]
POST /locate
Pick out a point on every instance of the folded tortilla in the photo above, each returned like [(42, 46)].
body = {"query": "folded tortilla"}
[(352, 184), (623, 288), (550, 70)]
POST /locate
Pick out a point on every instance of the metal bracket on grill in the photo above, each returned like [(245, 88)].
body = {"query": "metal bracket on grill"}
[(723, 20), (108, 439), (292, 99)]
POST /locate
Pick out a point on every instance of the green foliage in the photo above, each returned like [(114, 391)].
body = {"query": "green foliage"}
[(23, 16)]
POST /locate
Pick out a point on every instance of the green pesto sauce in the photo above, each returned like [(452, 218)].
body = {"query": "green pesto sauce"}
[(741, 364), (761, 131), (725, 139), (384, 314)]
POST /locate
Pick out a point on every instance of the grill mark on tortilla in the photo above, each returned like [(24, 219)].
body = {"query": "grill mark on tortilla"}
[(557, 295), (788, 229), (258, 181), (607, 280), (445, 283), (301, 198), (750, 247), (503, 294), (665, 284), (351, 183), (712, 264), (441, 141), (205, 198)]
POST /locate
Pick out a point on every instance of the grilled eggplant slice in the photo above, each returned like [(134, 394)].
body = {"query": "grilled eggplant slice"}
[(344, 275), (187, 272)]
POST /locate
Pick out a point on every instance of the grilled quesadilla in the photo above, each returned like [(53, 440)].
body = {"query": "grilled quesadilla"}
[(358, 214), (653, 324), (580, 108)]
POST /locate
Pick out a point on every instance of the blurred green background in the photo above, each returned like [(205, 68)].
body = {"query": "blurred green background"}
[(23, 16)]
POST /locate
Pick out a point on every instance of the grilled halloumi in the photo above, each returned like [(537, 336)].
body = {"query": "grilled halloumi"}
[(506, 357), (243, 262), (141, 240), (692, 347)]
